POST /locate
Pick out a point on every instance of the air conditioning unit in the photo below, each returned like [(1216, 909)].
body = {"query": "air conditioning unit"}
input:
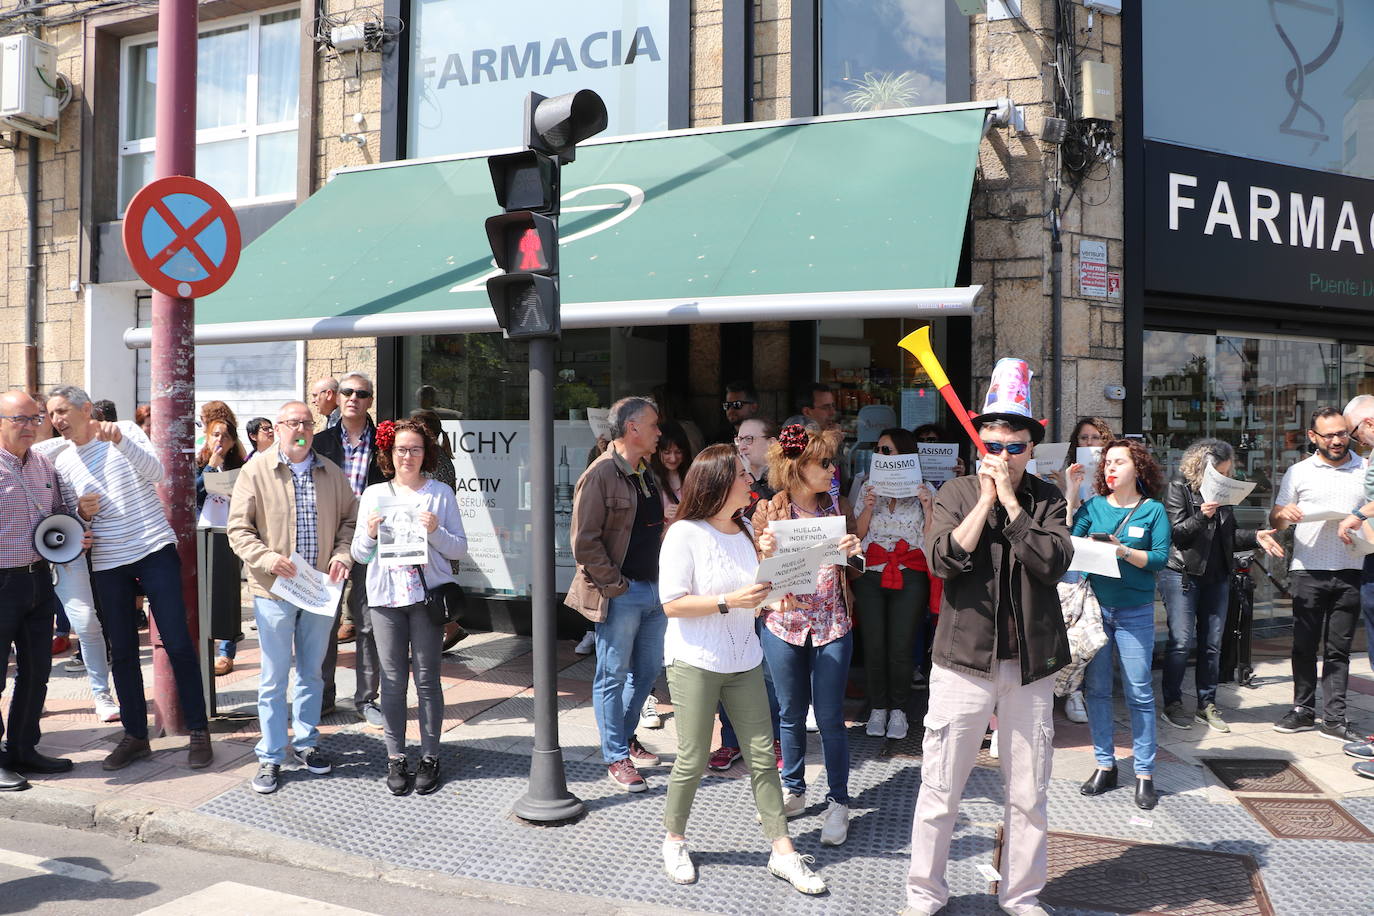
[(28, 80)]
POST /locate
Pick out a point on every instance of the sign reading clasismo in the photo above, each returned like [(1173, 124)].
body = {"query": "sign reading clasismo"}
[(473, 62)]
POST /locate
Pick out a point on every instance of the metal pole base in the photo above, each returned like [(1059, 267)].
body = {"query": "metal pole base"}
[(548, 799)]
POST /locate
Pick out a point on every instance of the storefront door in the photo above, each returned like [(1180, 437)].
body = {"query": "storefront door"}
[(1256, 392)]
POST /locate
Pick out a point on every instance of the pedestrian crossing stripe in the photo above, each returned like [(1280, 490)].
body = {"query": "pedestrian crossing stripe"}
[(231, 896), (51, 866)]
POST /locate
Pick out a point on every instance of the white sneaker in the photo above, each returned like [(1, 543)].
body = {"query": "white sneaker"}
[(896, 725), (835, 827), (993, 750), (877, 723), (811, 725), (1074, 707), (106, 709), (588, 644), (648, 716), (677, 862), (793, 803), (794, 869)]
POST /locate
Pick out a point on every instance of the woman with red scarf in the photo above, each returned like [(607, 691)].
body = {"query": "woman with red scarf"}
[(892, 596)]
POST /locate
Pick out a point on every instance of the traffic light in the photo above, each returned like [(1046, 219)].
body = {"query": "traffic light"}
[(524, 239)]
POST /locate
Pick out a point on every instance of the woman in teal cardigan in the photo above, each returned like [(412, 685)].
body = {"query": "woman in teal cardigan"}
[(1124, 514)]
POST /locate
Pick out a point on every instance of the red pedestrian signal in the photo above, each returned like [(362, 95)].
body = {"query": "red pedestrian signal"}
[(531, 251)]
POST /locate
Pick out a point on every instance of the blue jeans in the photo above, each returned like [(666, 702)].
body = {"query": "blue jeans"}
[(728, 738), (1131, 632), (1193, 607), (629, 658), (281, 623), (226, 648), (159, 575), (805, 676)]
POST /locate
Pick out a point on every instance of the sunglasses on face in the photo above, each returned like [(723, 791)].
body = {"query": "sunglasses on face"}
[(1011, 448), (735, 405), (361, 393), (886, 450), (826, 463)]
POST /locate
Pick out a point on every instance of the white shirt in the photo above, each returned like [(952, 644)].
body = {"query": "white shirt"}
[(696, 559), (892, 520), (130, 523), (1314, 485)]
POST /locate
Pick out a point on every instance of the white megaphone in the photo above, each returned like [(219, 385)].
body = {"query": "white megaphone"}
[(58, 538)]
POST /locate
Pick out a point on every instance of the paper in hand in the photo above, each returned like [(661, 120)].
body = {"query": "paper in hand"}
[(795, 573), (1360, 539), (798, 534), (1319, 514), (221, 483), (599, 419), (310, 590), (896, 476), (1095, 557), (1218, 488), (1049, 456)]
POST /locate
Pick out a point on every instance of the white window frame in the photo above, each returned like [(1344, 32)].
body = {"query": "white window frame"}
[(251, 130)]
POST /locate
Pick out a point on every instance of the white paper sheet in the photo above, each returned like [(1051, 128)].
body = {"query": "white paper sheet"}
[(599, 419), (1361, 540), (795, 573), (310, 590), (1050, 455), (401, 539), (1088, 456), (798, 534), (896, 476), (1321, 514), (1218, 488), (1096, 557), (938, 461), (221, 483)]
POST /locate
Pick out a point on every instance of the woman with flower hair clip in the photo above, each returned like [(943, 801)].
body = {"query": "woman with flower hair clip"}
[(808, 639)]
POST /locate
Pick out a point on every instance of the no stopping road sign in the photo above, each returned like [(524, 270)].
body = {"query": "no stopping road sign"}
[(182, 237)]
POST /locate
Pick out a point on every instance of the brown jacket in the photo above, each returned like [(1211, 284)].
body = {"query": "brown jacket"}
[(604, 506), (1040, 551), (262, 516)]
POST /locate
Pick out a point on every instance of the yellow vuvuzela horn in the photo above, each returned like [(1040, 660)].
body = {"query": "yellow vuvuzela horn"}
[(917, 343)]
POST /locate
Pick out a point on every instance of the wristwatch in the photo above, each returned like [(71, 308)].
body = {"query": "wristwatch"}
[(1122, 551), (1360, 515), (721, 604)]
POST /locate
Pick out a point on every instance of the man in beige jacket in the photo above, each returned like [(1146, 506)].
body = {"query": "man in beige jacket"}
[(291, 503), (616, 527)]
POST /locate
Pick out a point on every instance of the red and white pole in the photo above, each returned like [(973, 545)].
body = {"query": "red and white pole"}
[(173, 356)]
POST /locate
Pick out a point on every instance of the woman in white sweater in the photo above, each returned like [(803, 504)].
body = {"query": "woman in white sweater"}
[(707, 567), (408, 641)]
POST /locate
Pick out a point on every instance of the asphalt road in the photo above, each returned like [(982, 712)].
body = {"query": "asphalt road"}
[(53, 870)]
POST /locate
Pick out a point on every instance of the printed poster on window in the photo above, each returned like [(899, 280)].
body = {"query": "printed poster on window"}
[(491, 460)]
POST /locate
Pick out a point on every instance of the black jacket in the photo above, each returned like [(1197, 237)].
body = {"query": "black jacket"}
[(329, 444), (1039, 549), (1194, 532)]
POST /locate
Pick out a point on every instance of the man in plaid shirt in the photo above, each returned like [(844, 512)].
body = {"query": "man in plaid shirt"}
[(351, 445), (291, 482)]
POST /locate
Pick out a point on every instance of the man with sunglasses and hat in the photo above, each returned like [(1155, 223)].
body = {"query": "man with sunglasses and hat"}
[(1000, 541)]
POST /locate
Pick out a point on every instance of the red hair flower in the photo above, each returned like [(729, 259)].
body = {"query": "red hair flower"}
[(793, 440), (386, 435)]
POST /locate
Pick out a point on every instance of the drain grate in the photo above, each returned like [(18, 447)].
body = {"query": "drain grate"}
[(1088, 871), (1258, 774), (1307, 819)]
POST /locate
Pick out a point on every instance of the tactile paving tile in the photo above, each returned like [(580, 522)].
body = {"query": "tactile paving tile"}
[(1259, 774), (1307, 819), (1125, 876)]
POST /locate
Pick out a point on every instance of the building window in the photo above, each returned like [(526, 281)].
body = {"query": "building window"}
[(247, 89), (879, 54)]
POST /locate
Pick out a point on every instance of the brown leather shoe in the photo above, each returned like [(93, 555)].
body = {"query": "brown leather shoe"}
[(128, 750), (453, 634), (201, 753), (347, 632), (223, 666)]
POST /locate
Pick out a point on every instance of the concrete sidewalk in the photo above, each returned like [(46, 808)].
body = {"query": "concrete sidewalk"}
[(464, 839)]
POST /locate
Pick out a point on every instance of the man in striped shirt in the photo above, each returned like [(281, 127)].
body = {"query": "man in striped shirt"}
[(29, 492), (116, 464)]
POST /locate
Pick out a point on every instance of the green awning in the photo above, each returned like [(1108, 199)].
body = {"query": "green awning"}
[(861, 216)]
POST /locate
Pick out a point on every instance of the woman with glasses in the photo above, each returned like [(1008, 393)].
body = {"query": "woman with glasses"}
[(708, 565), (261, 435), (808, 639), (893, 593), (409, 641), (1123, 514)]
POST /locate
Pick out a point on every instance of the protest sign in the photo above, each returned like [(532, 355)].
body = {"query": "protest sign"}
[(309, 589), (799, 534), (599, 419), (401, 539), (1218, 488), (1095, 557), (939, 461), (897, 476), (795, 573)]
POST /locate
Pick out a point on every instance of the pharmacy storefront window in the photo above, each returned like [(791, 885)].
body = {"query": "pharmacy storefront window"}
[(1257, 393), (473, 62), (247, 93), (880, 54), (478, 384)]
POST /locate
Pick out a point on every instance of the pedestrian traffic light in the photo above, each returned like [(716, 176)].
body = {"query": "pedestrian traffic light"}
[(524, 239)]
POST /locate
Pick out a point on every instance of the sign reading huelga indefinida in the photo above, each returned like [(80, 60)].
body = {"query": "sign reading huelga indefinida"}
[(1218, 225)]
